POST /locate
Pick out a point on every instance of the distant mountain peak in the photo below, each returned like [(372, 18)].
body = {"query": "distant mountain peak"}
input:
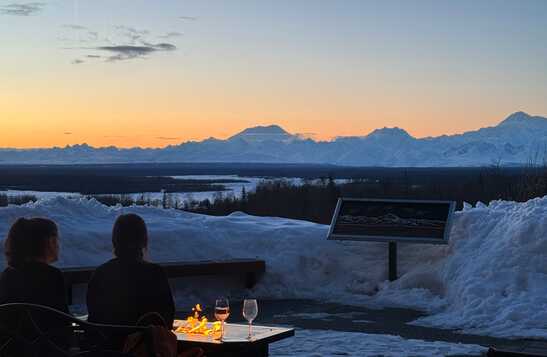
[(263, 133), (516, 117), (82, 146), (264, 129), (386, 132)]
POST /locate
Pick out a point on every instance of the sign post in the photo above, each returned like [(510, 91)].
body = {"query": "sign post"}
[(392, 261)]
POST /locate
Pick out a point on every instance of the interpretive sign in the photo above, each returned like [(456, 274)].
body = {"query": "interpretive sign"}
[(392, 220)]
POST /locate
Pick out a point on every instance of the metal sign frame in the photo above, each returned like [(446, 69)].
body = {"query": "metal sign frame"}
[(402, 239)]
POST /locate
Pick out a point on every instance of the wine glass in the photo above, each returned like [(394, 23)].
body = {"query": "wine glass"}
[(222, 311), (250, 310)]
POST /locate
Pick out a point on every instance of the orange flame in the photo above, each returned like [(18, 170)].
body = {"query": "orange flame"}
[(196, 324)]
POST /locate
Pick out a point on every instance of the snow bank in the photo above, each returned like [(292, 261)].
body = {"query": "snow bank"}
[(495, 278), (491, 279)]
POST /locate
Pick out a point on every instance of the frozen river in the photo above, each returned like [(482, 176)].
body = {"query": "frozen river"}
[(231, 188)]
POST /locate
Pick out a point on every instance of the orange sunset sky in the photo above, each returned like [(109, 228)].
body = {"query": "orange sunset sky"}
[(151, 74)]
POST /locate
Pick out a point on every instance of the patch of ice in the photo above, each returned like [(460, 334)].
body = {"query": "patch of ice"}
[(318, 343), (320, 315)]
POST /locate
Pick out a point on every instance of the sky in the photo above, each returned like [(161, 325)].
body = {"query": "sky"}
[(155, 73)]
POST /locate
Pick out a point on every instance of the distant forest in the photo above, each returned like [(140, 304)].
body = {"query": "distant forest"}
[(314, 200)]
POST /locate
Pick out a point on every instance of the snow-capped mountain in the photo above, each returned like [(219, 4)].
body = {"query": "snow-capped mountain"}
[(517, 140), (264, 133)]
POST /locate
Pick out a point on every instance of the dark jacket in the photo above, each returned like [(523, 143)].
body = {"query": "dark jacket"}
[(121, 291), (35, 283)]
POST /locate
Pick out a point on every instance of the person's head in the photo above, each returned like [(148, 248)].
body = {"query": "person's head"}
[(129, 237), (32, 240)]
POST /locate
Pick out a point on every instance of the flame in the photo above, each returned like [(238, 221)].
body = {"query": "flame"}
[(196, 324)]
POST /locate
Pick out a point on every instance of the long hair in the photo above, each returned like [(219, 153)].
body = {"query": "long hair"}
[(129, 237), (28, 240)]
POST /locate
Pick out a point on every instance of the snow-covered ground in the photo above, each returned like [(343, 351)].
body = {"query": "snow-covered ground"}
[(232, 188), (319, 343), (38, 194), (489, 280)]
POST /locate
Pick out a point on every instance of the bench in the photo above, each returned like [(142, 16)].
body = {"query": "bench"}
[(249, 268)]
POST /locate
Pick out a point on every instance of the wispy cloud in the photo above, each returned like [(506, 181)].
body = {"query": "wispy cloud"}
[(171, 35), (83, 34), (132, 33), (92, 35), (126, 43), (190, 18), (125, 52), (74, 27), (161, 46), (21, 9), (168, 138)]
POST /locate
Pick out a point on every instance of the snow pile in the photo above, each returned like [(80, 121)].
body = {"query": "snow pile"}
[(335, 343), (490, 279), (495, 278), (300, 262)]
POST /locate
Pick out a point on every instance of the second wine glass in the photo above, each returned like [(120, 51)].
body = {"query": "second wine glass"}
[(250, 311)]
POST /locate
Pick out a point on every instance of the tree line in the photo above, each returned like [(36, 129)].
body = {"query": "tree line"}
[(315, 200)]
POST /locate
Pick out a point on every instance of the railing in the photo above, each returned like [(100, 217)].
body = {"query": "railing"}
[(250, 269)]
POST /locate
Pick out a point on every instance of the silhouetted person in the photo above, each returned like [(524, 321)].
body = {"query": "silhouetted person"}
[(127, 287), (30, 247)]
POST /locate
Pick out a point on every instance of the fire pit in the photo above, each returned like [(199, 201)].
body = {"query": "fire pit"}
[(197, 331), (196, 324)]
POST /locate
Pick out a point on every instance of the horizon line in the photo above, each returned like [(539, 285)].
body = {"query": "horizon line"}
[(294, 135)]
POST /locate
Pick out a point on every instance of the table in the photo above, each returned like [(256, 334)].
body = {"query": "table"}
[(235, 342)]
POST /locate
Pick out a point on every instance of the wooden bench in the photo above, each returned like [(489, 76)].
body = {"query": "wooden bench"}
[(249, 268)]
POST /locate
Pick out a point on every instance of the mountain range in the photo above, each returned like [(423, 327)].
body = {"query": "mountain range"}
[(517, 140)]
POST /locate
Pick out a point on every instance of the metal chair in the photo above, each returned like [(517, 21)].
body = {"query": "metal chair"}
[(35, 330)]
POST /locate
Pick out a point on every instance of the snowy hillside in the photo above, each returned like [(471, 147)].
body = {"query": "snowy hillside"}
[(515, 141), (489, 280)]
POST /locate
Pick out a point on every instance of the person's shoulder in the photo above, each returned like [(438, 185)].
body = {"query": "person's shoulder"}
[(111, 264), (38, 268), (8, 273), (8, 270), (39, 271), (50, 268), (153, 268), (50, 272)]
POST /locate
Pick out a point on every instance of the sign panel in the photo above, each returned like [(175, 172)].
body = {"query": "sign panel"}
[(392, 220)]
